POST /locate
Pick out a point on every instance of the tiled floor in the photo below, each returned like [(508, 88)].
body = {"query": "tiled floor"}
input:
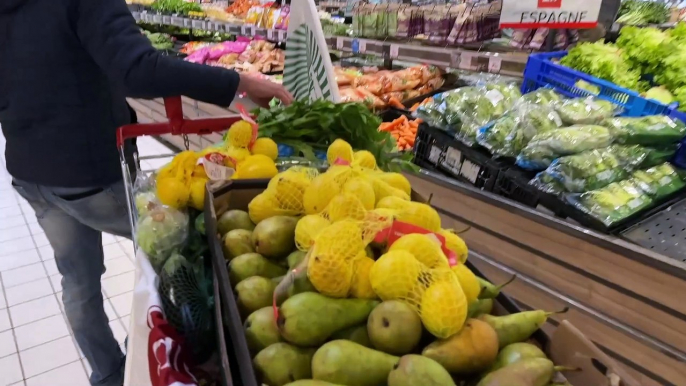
[(36, 345)]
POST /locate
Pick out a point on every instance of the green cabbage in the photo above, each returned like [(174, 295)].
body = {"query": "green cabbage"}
[(160, 231)]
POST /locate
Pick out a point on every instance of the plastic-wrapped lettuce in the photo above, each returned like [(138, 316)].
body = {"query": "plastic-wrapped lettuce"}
[(542, 96), (648, 130), (543, 148), (613, 203), (585, 111), (547, 184), (593, 169), (161, 231), (509, 134), (659, 181), (483, 105)]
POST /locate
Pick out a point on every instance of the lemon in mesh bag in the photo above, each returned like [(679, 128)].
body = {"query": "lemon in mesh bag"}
[(264, 206), (425, 248), (397, 181), (396, 275), (289, 187), (345, 206), (443, 306), (239, 135), (307, 230), (339, 151), (330, 275), (362, 189), (421, 215), (321, 190), (360, 285), (364, 159), (455, 244), (383, 189)]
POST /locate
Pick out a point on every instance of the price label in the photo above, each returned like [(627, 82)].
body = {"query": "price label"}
[(177, 21), (166, 20), (339, 43), (455, 59), (494, 64), (281, 34), (435, 154), (252, 30), (453, 160), (157, 19), (187, 23), (362, 46), (470, 171), (210, 26), (198, 24), (394, 51), (245, 30), (270, 34), (466, 61)]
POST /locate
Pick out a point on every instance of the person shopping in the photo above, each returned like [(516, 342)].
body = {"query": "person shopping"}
[(66, 67)]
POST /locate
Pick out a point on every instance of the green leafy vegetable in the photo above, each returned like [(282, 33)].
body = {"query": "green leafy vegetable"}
[(642, 47), (604, 61), (640, 12), (589, 110), (160, 231), (660, 94), (648, 130)]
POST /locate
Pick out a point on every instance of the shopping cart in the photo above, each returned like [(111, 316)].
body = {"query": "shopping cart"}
[(154, 355)]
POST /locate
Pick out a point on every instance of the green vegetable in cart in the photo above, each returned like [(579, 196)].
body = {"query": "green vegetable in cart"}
[(145, 201), (648, 130), (585, 111), (545, 147), (161, 231)]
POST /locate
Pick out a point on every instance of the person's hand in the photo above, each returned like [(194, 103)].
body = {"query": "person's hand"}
[(261, 91)]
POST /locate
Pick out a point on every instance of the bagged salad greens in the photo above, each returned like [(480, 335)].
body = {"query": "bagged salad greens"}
[(594, 169), (648, 130), (160, 231), (585, 111), (464, 110), (543, 148), (541, 96), (509, 134), (619, 200)]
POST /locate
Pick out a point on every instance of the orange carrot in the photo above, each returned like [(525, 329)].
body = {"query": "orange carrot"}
[(394, 102)]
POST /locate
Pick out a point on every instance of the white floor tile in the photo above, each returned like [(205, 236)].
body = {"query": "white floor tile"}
[(108, 239), (122, 303), (3, 304), (117, 285), (46, 252), (113, 250), (5, 320), (87, 366), (23, 275), (34, 310), (56, 281), (10, 370), (118, 331), (51, 267), (19, 259), (7, 346), (127, 246), (20, 383), (28, 291), (117, 266), (35, 229), (49, 356), (72, 374), (58, 296), (41, 240), (14, 233), (109, 310), (10, 212), (41, 331), (125, 321), (12, 221)]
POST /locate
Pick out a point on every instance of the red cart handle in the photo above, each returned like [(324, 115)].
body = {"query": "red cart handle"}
[(177, 124)]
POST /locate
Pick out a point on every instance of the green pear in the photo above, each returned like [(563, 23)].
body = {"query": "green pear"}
[(295, 258), (274, 238), (394, 327), (480, 307), (348, 363), (234, 219), (309, 319), (413, 370), (517, 327), (515, 352), (357, 334), (254, 293), (281, 363), (311, 382), (527, 372), (236, 243), (260, 329), (253, 264), (301, 284), (490, 290), (471, 350)]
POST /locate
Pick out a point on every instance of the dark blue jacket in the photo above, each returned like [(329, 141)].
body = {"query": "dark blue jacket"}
[(66, 67)]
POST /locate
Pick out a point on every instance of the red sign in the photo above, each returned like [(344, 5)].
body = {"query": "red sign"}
[(549, 3)]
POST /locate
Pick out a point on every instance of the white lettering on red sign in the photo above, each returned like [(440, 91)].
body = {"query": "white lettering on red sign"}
[(550, 13)]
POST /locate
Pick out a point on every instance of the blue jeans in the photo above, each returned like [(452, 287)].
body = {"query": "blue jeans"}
[(73, 220)]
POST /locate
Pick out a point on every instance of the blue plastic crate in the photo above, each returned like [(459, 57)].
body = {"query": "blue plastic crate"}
[(542, 71)]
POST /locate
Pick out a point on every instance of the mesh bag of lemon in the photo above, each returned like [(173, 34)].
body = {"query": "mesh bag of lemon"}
[(344, 210), (181, 183)]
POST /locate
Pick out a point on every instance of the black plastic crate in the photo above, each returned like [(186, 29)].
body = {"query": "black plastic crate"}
[(472, 165), (514, 184)]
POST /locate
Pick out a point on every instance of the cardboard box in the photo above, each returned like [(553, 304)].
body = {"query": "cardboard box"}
[(567, 346)]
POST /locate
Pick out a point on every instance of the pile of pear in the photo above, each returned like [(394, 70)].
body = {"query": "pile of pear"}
[(315, 340)]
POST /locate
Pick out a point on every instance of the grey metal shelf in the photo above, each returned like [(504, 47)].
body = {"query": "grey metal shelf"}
[(663, 233)]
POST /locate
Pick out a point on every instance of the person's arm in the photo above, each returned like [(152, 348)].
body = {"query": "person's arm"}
[(109, 33)]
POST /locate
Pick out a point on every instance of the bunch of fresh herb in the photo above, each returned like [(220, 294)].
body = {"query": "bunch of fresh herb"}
[(307, 126), (641, 12)]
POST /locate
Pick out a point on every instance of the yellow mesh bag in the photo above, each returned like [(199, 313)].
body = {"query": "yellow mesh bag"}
[(421, 215), (284, 195), (240, 134), (425, 248), (434, 293), (307, 229), (361, 285)]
